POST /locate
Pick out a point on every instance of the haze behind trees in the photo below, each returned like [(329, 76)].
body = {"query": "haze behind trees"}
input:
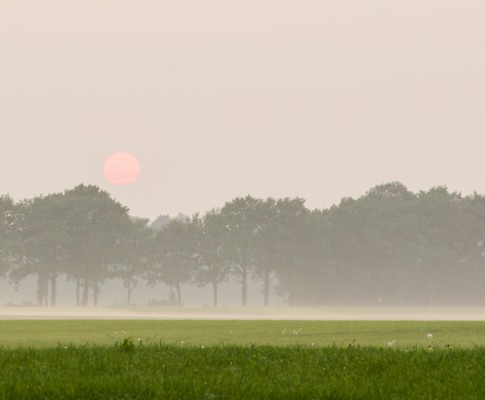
[(218, 98), (389, 247)]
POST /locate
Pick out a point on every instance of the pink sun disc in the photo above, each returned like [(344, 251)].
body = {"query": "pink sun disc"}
[(121, 168)]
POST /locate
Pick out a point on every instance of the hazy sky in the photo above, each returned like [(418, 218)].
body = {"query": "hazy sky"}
[(222, 98)]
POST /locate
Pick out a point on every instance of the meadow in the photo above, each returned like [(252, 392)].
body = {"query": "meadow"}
[(132, 371), (194, 359), (403, 334)]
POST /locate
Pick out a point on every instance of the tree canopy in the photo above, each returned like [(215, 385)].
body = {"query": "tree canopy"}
[(388, 247)]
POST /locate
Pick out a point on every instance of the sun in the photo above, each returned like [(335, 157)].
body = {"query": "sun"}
[(121, 168)]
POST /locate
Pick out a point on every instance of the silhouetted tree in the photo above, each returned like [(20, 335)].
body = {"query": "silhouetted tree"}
[(44, 244), (210, 267), (243, 218), (96, 224), (440, 232), (9, 233), (300, 253), (133, 256), (175, 257)]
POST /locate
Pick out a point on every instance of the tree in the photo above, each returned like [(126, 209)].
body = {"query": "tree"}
[(299, 251), (242, 219), (133, 258), (267, 243), (161, 222), (174, 249), (8, 232), (96, 224), (440, 233), (471, 251), (210, 267), (391, 237), (373, 245), (44, 244)]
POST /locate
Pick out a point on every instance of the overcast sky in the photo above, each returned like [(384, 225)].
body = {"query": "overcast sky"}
[(222, 98)]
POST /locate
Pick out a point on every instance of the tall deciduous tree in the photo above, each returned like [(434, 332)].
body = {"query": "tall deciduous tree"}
[(96, 224), (8, 232), (300, 253), (441, 233), (211, 266), (133, 257), (267, 244), (471, 264), (243, 220), (370, 239), (44, 244), (175, 257), (388, 231)]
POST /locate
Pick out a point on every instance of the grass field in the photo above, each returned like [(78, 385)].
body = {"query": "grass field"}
[(404, 334), (132, 371), (203, 359)]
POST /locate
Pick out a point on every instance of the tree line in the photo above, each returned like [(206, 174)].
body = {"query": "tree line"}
[(388, 247)]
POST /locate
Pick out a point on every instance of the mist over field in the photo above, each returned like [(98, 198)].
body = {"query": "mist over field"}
[(114, 294), (389, 247)]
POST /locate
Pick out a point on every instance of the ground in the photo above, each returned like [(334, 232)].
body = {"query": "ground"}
[(250, 313)]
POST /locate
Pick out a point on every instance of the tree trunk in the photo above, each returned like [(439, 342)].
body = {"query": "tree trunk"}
[(179, 294), (42, 288), (84, 301), (53, 289), (214, 293), (244, 285), (172, 299), (78, 292), (95, 293), (266, 287), (46, 291), (128, 292)]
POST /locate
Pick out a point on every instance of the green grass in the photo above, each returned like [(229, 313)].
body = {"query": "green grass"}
[(131, 371), (406, 334), (147, 359)]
